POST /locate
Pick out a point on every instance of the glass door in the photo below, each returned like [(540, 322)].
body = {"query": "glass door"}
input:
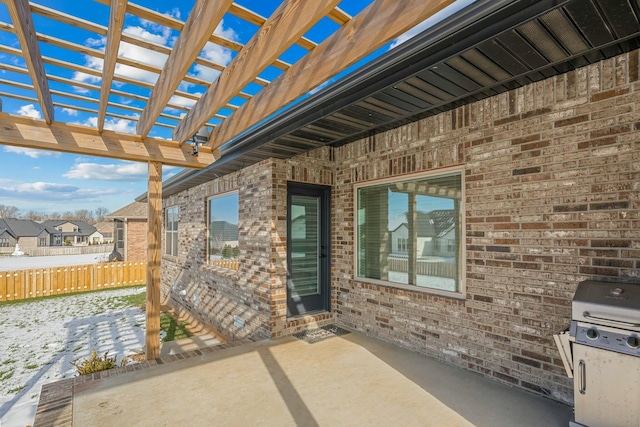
[(308, 248)]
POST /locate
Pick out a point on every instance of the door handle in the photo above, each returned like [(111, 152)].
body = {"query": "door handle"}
[(582, 377)]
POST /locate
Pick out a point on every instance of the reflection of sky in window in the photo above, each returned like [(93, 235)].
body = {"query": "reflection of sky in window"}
[(224, 208), (399, 204)]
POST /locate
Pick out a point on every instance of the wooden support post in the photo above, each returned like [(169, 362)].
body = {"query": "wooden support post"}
[(154, 249)]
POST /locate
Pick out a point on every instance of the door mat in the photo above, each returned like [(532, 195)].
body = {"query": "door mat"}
[(314, 335)]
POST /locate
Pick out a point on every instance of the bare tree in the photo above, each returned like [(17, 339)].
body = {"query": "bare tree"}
[(67, 215), (7, 211), (35, 216), (54, 215), (101, 212), (84, 215)]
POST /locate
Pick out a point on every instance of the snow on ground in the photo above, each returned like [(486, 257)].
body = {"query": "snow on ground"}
[(40, 338), (26, 262)]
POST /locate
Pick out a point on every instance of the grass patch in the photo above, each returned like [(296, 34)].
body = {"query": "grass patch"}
[(15, 390), (5, 375), (31, 366), (175, 330), (46, 297), (7, 362)]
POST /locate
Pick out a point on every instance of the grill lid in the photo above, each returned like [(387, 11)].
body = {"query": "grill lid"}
[(613, 304)]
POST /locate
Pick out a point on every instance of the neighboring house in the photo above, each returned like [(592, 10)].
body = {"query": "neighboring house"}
[(73, 232), (523, 119), (435, 235), (130, 231), (26, 233), (7, 238), (106, 229)]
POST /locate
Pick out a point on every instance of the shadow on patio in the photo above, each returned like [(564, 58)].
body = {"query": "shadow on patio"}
[(348, 380)]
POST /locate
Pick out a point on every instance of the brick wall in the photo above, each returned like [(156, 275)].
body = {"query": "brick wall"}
[(552, 174), (136, 240)]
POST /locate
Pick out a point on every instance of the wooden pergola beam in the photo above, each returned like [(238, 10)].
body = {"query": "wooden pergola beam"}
[(203, 19), (25, 132), (116, 22), (376, 25), (285, 26), (23, 23)]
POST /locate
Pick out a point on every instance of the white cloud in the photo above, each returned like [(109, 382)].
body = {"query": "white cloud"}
[(29, 110), (117, 125), (34, 154), (46, 191), (124, 171), (182, 101), (70, 111)]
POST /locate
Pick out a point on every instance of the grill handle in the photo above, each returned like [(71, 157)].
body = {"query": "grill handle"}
[(588, 315), (582, 377)]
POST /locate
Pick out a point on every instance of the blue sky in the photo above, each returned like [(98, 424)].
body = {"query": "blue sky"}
[(46, 181)]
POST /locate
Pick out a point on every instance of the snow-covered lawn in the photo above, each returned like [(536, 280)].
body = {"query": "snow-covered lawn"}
[(39, 340), (8, 262)]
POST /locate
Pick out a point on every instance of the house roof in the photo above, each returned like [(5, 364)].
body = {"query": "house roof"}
[(487, 48), (224, 231), (435, 223), (23, 227), (4, 228), (135, 210), (84, 228)]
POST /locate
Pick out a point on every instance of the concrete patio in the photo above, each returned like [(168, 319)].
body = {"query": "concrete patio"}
[(348, 380)]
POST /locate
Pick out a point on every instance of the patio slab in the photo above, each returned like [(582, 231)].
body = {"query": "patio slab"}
[(340, 381)]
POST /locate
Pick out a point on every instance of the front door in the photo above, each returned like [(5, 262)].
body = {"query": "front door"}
[(308, 248)]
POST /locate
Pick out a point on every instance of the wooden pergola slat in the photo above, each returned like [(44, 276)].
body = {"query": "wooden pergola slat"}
[(287, 24), (23, 24), (25, 132), (379, 23), (203, 19), (116, 22)]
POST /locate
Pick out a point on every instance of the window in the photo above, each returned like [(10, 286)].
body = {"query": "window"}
[(222, 247), (409, 231), (4, 242), (171, 230), (119, 234), (42, 241)]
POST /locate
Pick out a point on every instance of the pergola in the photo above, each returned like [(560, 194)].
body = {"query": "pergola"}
[(353, 39)]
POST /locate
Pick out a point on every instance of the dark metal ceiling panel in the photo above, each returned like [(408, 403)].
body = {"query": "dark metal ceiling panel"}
[(591, 23), (468, 69), (620, 16), (395, 94), (432, 94), (563, 30), (522, 49), (455, 76), (493, 50), (435, 80)]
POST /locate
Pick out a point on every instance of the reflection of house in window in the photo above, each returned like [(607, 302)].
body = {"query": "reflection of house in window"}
[(436, 234)]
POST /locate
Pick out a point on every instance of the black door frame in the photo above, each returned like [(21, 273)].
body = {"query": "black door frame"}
[(321, 302)]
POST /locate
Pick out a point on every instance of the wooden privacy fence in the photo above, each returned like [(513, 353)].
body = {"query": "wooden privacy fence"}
[(38, 282)]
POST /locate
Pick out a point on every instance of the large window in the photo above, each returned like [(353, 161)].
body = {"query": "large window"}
[(171, 230), (409, 231), (4, 242), (222, 247)]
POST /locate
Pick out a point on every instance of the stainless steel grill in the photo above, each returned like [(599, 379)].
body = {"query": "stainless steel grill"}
[(601, 351)]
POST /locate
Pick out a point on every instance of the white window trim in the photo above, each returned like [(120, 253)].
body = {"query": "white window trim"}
[(208, 218), (462, 288), (166, 243)]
